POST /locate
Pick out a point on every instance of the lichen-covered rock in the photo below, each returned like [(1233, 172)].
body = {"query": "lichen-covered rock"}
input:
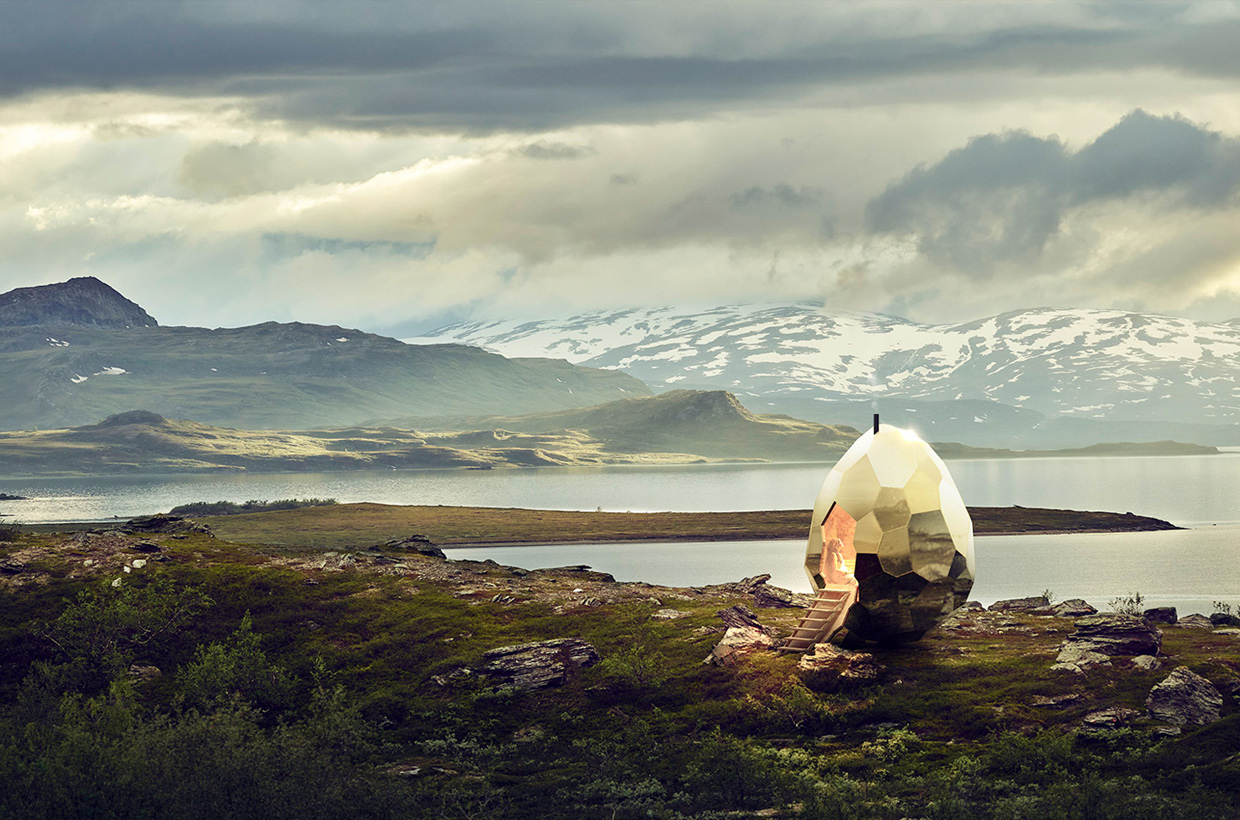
[(1195, 621), (738, 642), (1020, 604), (1073, 608), (1110, 718), (1079, 659), (1114, 633), (852, 667), (1185, 697), (773, 597), (1147, 662), (538, 665), (669, 615)]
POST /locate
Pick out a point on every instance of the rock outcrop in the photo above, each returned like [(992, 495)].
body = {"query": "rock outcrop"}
[(1099, 637), (1161, 615), (1112, 717), (742, 616), (853, 667), (1073, 608), (767, 596), (1185, 697), (414, 543), (1113, 633), (1030, 604), (1078, 659), (538, 665), (164, 524), (738, 642), (1195, 621)]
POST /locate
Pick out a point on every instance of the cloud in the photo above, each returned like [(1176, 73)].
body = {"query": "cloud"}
[(453, 67), (1004, 197)]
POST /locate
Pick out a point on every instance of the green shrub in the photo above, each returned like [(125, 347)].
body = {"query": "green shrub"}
[(252, 506)]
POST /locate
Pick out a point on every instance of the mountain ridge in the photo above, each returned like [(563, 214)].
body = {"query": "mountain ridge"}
[(271, 375), (82, 301), (1101, 366)]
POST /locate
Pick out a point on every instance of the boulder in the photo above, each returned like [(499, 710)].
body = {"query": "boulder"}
[(1020, 604), (1073, 608), (538, 665), (1147, 662), (1160, 615), (1114, 633), (971, 606), (738, 642), (853, 667), (1110, 718), (669, 615), (772, 597), (748, 585), (1195, 621), (1078, 659), (1055, 701), (1224, 619), (10, 567), (1185, 697), (414, 543)]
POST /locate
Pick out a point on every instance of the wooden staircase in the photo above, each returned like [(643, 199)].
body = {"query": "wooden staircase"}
[(826, 614)]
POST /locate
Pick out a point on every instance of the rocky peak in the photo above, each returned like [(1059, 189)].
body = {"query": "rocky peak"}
[(84, 301)]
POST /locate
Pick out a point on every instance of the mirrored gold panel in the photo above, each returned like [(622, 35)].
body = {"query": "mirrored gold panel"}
[(890, 519)]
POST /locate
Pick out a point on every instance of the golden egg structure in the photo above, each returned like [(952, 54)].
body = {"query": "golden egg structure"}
[(890, 539)]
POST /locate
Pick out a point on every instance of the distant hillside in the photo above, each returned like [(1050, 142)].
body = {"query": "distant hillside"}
[(676, 428), (708, 423), (85, 302), (949, 450), (268, 376), (1003, 381)]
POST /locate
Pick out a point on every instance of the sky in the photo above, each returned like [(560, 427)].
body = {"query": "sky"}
[(394, 166)]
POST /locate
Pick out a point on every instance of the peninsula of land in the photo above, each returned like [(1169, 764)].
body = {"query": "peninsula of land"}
[(339, 526)]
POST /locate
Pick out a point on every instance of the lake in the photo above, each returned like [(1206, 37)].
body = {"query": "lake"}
[(1186, 490), (1189, 569)]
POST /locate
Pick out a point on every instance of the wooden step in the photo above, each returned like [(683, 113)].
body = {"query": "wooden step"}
[(827, 608)]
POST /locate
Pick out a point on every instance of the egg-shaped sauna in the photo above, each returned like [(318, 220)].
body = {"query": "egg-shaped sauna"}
[(890, 550)]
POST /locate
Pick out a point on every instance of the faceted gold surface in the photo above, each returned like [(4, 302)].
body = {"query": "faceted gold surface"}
[(913, 538)]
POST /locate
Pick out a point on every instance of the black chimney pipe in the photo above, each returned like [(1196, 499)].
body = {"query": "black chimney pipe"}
[(876, 424)]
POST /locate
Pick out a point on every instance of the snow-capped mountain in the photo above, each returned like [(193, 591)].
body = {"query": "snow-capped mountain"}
[(1089, 364)]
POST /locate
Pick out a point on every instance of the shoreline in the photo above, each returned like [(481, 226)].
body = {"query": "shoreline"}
[(353, 526), (744, 537)]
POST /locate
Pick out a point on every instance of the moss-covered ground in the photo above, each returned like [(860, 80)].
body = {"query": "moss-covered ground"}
[(225, 679)]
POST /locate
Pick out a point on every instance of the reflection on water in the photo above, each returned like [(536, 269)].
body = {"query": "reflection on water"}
[(1187, 569), (1182, 489)]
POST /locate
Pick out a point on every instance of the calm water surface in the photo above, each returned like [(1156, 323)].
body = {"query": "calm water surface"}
[(1186, 490), (1187, 569)]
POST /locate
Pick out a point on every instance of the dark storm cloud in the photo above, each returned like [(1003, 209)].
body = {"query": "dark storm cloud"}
[(534, 66), (1003, 197)]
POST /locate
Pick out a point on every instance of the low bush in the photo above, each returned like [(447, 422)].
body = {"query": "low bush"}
[(252, 506)]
